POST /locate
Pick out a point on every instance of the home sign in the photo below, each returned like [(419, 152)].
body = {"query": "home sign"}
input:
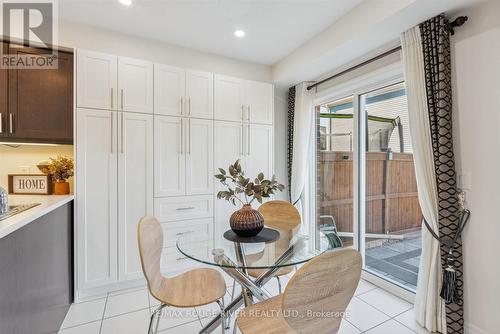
[(32, 184)]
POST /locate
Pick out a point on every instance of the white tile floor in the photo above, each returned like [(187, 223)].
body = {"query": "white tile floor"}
[(371, 311)]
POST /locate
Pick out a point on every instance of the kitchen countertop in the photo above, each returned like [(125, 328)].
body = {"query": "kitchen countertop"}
[(48, 203)]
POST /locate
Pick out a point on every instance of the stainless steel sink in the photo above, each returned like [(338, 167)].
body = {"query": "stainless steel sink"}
[(15, 209)]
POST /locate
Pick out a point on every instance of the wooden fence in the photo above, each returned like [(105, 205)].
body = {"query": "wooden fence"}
[(391, 191)]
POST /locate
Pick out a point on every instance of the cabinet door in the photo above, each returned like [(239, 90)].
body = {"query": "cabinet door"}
[(169, 156), (229, 98), (135, 187), (200, 94), (259, 149), (96, 198), (135, 85), (259, 102), (96, 80), (199, 158), (228, 147), (169, 90), (4, 89), (41, 101)]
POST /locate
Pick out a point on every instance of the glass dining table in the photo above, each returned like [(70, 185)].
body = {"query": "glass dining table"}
[(236, 256)]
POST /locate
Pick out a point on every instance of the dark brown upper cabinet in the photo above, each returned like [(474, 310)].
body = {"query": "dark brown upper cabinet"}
[(40, 101)]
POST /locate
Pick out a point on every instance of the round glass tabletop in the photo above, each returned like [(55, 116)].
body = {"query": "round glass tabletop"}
[(286, 251)]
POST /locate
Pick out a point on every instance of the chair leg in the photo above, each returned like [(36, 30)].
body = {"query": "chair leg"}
[(279, 285), (156, 315), (222, 315)]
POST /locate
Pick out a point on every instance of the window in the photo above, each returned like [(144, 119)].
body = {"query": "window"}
[(366, 193)]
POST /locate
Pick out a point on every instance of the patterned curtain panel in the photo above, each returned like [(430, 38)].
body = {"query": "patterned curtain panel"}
[(291, 114), (437, 66)]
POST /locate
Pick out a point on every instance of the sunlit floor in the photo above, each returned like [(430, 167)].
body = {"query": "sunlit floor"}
[(397, 260), (372, 311)]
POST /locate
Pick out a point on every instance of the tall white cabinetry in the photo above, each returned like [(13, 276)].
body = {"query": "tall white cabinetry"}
[(243, 130), (149, 139)]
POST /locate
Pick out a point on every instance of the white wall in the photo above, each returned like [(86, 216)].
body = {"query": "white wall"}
[(83, 36), (476, 79)]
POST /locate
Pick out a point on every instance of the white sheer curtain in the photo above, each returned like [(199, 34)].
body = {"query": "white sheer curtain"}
[(429, 307), (302, 136)]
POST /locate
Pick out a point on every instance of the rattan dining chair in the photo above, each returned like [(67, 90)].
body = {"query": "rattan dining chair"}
[(314, 300), (194, 288)]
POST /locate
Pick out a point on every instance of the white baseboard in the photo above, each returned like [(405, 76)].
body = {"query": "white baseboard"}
[(473, 329)]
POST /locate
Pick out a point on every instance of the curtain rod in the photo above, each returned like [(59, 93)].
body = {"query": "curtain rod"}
[(459, 21)]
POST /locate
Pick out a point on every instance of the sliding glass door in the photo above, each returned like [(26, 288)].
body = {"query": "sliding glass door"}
[(366, 189)]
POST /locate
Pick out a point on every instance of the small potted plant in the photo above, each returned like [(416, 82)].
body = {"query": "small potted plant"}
[(246, 222), (61, 169)]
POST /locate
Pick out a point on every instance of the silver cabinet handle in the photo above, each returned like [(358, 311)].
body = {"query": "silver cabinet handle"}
[(182, 105), (186, 208), (1, 122), (122, 98), (121, 133), (11, 124), (248, 113), (111, 97), (181, 258), (189, 106), (183, 233), (242, 112)]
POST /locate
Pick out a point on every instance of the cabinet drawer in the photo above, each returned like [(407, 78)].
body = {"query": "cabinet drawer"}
[(195, 230), (173, 260), (184, 208)]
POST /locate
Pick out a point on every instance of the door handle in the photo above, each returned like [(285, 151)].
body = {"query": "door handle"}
[(248, 113), (248, 141), (11, 124), (1, 122), (189, 106), (182, 105), (111, 97), (241, 139), (242, 112)]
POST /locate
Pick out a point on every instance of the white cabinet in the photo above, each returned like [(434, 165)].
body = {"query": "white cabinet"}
[(96, 200), (200, 94), (169, 90), (96, 80), (228, 147), (229, 98), (199, 157), (259, 102), (180, 92), (135, 85), (135, 187), (259, 149), (169, 156), (243, 100), (183, 156), (108, 82)]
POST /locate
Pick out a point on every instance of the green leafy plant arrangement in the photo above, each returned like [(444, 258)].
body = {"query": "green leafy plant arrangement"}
[(257, 189)]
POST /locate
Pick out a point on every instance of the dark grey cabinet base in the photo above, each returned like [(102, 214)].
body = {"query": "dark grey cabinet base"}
[(36, 274)]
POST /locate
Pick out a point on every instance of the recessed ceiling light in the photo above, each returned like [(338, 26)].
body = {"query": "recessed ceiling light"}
[(239, 33), (126, 2)]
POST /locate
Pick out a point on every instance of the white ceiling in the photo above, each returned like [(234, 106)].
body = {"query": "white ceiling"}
[(274, 28)]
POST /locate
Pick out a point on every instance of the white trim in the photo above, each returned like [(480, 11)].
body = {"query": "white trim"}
[(387, 285)]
